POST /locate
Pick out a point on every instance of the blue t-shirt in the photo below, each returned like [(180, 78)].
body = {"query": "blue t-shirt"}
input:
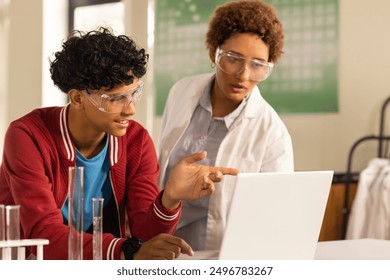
[(96, 183)]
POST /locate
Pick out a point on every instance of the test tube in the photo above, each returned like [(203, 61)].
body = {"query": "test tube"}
[(13, 226), (76, 213), (2, 227), (97, 222)]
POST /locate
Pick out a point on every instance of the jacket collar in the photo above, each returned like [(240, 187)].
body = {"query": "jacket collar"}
[(68, 144), (114, 149), (70, 149)]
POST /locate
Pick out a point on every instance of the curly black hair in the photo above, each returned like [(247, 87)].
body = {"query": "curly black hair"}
[(246, 16), (97, 59)]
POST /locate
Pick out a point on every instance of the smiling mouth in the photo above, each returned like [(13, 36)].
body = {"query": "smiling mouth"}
[(123, 122)]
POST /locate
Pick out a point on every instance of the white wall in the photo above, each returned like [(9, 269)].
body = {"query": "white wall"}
[(4, 28), (138, 12), (320, 141), (55, 29), (24, 57), (323, 141), (36, 30)]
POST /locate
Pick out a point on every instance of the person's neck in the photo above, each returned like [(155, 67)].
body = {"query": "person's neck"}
[(221, 106), (88, 142)]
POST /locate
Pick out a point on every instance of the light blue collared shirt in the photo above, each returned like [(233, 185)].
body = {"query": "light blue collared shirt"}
[(96, 183), (204, 133)]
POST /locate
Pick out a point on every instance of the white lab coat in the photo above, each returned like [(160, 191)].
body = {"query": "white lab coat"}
[(370, 212), (257, 142)]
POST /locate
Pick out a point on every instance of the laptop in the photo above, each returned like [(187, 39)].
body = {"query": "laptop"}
[(274, 216)]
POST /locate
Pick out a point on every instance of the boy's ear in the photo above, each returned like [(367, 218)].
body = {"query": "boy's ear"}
[(76, 98)]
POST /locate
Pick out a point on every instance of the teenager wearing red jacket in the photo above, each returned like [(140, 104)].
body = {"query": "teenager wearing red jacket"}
[(101, 73)]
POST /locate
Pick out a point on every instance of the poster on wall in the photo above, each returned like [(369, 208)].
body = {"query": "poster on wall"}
[(304, 81)]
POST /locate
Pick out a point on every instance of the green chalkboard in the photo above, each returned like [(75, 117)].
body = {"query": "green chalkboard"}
[(305, 79)]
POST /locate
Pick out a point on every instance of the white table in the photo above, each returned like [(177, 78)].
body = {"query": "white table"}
[(354, 249), (359, 249)]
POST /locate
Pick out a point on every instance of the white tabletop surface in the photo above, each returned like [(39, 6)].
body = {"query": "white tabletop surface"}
[(355, 249), (359, 249)]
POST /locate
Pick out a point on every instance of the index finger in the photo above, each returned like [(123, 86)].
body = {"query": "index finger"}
[(225, 170), (185, 248)]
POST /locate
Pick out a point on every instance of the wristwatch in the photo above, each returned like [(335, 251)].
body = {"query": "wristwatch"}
[(130, 247)]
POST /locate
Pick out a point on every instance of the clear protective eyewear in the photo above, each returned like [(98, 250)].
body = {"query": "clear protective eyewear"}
[(116, 103), (234, 64)]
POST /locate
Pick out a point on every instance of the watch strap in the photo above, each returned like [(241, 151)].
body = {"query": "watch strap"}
[(130, 247)]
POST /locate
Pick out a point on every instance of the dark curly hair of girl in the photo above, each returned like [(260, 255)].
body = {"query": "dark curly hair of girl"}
[(97, 59), (251, 16)]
